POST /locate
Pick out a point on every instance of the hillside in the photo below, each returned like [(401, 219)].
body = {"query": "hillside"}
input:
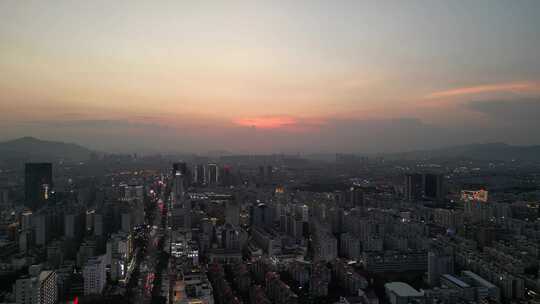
[(491, 151), (33, 149)]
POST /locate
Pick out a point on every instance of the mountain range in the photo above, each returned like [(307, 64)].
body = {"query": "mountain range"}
[(489, 151), (33, 149)]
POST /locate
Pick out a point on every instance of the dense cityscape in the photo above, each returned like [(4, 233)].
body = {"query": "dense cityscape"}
[(269, 229), (269, 152)]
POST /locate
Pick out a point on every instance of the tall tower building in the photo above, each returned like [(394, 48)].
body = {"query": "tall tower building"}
[(433, 186), (38, 183), (356, 197), (180, 167), (42, 228), (180, 180), (38, 287), (199, 174), (269, 173), (440, 261), (94, 274), (178, 188), (232, 212), (47, 292), (226, 176), (413, 186), (213, 174)]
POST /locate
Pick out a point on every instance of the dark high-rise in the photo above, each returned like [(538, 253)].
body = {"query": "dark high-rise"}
[(213, 174), (356, 197), (182, 174), (180, 168), (199, 174), (38, 183), (413, 186), (433, 186)]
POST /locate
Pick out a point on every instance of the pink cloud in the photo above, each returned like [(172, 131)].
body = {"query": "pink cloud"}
[(517, 87)]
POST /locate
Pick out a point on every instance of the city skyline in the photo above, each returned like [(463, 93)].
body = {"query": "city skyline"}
[(258, 77), (269, 152)]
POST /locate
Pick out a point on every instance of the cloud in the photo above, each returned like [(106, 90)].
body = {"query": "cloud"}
[(515, 87)]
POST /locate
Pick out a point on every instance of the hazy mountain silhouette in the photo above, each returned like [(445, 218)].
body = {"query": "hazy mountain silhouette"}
[(33, 149), (489, 151)]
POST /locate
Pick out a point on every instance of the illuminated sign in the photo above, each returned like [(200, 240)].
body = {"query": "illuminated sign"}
[(474, 195)]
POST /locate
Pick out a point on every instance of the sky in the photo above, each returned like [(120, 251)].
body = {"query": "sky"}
[(270, 76)]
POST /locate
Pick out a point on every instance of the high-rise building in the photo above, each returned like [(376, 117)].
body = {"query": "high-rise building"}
[(39, 287), (99, 225), (356, 197), (324, 246), (232, 212), (26, 240), (269, 173), (213, 174), (47, 289), (4, 197), (199, 174), (413, 186), (433, 186), (180, 181), (125, 221), (302, 211), (439, 263), (181, 168), (231, 237), (132, 192), (74, 224), (428, 186), (181, 214), (42, 228), (94, 275), (350, 246), (25, 290), (266, 173), (38, 183), (178, 189), (261, 215), (86, 251), (26, 220), (226, 176)]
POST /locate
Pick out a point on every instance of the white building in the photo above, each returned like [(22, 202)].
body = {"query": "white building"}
[(38, 288), (94, 275), (47, 288)]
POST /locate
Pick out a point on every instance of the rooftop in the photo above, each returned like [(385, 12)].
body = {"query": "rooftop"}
[(478, 279), (403, 289), (456, 281)]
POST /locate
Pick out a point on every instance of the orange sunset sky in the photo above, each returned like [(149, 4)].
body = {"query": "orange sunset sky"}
[(270, 76)]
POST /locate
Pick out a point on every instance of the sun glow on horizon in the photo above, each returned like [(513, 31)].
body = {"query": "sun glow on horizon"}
[(270, 122)]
